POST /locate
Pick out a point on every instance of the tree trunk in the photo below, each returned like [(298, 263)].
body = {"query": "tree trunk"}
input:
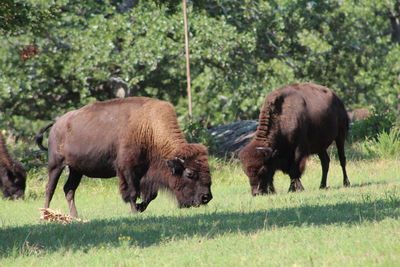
[(127, 5), (395, 28), (394, 21)]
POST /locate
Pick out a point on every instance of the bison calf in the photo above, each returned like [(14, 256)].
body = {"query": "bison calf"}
[(295, 121), (137, 139), (12, 174)]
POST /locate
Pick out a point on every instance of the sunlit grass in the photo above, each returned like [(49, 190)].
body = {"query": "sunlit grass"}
[(338, 226)]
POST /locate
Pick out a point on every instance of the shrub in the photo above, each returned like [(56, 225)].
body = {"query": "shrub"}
[(372, 127), (385, 145), (196, 132)]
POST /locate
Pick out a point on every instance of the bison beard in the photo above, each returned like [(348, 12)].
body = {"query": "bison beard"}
[(137, 139), (12, 174), (295, 121)]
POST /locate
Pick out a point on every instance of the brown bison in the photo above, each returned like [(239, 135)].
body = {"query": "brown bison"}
[(137, 139), (295, 121), (358, 114), (12, 174)]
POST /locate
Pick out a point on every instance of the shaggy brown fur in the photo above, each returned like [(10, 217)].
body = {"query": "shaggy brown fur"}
[(12, 174), (295, 121), (137, 139)]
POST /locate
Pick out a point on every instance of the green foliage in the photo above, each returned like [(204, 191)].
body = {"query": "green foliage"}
[(379, 122), (196, 132), (240, 50), (385, 145), (19, 16), (36, 185)]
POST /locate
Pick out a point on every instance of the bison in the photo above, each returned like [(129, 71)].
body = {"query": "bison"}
[(358, 114), (137, 139), (12, 174), (295, 121)]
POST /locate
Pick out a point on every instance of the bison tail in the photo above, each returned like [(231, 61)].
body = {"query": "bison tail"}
[(39, 136)]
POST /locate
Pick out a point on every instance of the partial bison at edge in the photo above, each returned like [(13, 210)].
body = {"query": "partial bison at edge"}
[(12, 174), (137, 139), (295, 121)]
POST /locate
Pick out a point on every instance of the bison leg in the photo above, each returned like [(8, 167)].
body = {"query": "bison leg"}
[(70, 186), (342, 159), (295, 185), (324, 157), (296, 171), (54, 175), (147, 199), (129, 188), (130, 170), (266, 185)]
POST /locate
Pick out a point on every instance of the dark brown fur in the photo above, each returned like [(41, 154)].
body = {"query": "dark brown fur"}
[(12, 174), (295, 121), (137, 139)]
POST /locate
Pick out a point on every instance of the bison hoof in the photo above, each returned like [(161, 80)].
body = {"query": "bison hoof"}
[(346, 184), (296, 187), (141, 207)]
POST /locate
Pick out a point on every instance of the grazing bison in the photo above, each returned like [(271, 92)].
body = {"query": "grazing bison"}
[(137, 139), (12, 174), (358, 114), (295, 121)]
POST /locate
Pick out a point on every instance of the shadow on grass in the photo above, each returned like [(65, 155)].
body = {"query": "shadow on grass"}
[(360, 185), (155, 230)]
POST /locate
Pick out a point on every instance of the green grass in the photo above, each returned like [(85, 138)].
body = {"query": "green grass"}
[(339, 226)]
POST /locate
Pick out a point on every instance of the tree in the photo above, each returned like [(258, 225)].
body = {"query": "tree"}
[(18, 17), (240, 51)]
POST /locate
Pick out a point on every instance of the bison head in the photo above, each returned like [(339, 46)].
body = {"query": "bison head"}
[(12, 181), (190, 178), (255, 159)]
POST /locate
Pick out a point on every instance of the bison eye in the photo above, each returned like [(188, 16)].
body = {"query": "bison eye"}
[(188, 173)]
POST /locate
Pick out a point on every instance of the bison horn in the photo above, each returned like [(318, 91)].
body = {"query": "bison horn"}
[(181, 160), (263, 148)]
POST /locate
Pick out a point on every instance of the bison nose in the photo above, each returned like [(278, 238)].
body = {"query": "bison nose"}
[(205, 198)]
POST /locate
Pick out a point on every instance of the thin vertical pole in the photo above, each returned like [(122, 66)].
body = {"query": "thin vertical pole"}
[(187, 58)]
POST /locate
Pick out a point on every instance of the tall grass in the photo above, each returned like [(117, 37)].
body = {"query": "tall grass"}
[(385, 145)]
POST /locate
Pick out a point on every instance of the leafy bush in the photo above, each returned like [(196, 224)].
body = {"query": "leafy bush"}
[(196, 132), (385, 145), (240, 50), (371, 128)]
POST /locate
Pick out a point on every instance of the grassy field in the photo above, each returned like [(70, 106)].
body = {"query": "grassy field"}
[(357, 226)]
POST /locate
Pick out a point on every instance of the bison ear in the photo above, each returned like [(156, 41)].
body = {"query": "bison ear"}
[(176, 166), (267, 151)]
